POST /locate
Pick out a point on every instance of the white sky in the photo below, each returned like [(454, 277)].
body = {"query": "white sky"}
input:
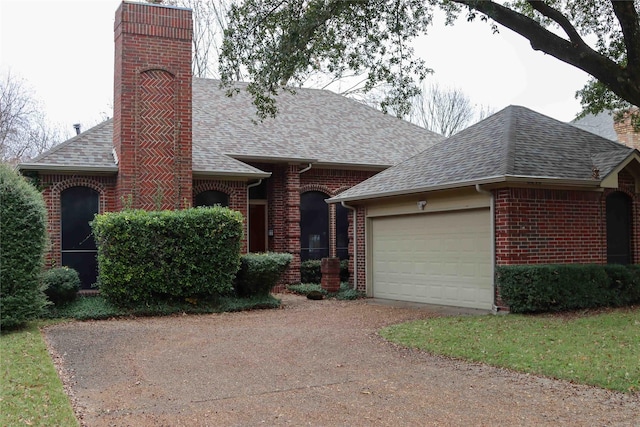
[(64, 51)]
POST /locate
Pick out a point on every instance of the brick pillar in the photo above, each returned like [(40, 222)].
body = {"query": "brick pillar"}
[(330, 269), (152, 106), (292, 223)]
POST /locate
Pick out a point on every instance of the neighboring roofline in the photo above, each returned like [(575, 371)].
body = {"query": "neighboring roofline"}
[(592, 183), (71, 168)]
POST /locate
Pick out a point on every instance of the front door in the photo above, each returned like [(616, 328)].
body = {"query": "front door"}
[(258, 228), (618, 228), (79, 206)]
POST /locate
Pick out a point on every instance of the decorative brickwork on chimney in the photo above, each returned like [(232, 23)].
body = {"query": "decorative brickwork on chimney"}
[(626, 134), (152, 106)]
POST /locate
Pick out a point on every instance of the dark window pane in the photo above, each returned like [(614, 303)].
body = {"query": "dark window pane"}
[(342, 232), (259, 191), (314, 226), (618, 228), (85, 263), (212, 198), (79, 205)]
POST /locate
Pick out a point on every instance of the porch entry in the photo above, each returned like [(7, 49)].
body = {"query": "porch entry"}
[(78, 207)]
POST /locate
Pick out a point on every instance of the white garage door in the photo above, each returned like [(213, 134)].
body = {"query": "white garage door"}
[(439, 258)]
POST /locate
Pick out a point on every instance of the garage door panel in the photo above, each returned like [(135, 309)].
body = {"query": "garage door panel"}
[(438, 258)]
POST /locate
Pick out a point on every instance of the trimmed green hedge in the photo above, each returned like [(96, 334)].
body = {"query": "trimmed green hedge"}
[(561, 287), (146, 257), (311, 271), (260, 272), (23, 236)]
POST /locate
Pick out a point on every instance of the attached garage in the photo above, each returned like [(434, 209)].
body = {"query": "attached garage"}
[(440, 258), (515, 188)]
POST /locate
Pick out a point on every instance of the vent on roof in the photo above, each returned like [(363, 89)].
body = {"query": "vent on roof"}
[(115, 155), (76, 126)]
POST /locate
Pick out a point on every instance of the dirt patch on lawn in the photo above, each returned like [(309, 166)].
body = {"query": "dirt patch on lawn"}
[(308, 363)]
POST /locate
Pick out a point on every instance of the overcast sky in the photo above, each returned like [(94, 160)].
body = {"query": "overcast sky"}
[(64, 51)]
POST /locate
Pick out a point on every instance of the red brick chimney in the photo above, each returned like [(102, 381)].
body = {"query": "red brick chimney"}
[(152, 106)]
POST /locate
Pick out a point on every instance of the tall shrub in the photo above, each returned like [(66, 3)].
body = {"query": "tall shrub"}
[(23, 219), (144, 257)]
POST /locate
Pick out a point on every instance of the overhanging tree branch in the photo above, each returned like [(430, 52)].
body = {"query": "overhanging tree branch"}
[(616, 77), (630, 23)]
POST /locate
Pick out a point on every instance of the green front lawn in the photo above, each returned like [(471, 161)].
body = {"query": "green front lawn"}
[(600, 349), (31, 392)]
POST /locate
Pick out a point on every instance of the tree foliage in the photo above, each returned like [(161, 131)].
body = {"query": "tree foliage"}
[(275, 44)]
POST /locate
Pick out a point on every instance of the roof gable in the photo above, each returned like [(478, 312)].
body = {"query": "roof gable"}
[(514, 143)]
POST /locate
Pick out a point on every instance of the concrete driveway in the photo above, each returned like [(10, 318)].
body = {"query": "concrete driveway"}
[(317, 363)]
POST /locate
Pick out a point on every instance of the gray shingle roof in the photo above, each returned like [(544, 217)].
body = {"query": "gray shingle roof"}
[(91, 150), (515, 142), (600, 124), (312, 125)]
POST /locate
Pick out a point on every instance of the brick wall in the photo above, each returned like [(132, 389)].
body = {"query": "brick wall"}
[(152, 105), (536, 226)]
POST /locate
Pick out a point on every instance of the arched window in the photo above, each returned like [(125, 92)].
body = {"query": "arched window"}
[(314, 226), (618, 228), (212, 198), (79, 205)]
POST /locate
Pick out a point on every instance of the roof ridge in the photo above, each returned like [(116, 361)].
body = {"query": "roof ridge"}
[(509, 139)]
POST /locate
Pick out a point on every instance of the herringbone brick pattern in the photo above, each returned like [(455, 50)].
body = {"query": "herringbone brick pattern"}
[(156, 154)]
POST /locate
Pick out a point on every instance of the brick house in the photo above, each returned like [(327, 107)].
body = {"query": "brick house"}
[(177, 141), (516, 188)]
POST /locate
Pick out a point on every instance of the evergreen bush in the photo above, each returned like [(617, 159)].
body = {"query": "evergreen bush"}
[(145, 257), (561, 287), (260, 272), (311, 271), (23, 225), (61, 285)]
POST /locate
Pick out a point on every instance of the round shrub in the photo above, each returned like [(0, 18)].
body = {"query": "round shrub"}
[(310, 271), (61, 285), (23, 237), (259, 273)]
